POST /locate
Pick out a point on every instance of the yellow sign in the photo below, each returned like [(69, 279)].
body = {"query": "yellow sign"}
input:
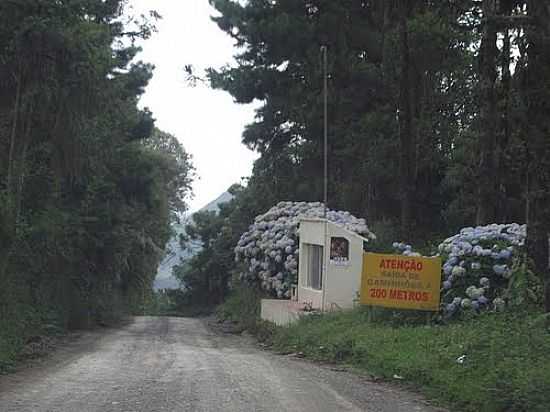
[(401, 282)]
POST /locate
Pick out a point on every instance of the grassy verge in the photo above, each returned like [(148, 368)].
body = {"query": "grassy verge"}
[(505, 357), (30, 331), (493, 362), (243, 307), (19, 336), (10, 345)]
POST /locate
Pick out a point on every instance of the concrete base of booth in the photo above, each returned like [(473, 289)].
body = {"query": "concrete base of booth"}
[(282, 312)]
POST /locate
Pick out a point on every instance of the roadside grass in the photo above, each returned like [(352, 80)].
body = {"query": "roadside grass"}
[(242, 306), (489, 362), (15, 327), (505, 356), (10, 345), (28, 331), (17, 323)]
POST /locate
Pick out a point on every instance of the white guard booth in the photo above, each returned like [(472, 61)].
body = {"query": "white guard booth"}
[(329, 272)]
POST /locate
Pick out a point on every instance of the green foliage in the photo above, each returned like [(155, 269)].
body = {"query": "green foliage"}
[(525, 289), (165, 302), (504, 368), (386, 233), (87, 185), (207, 275), (242, 306)]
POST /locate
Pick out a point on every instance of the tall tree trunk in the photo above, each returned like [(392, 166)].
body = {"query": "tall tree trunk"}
[(503, 211), (13, 133), (537, 96), (487, 172), (386, 28), (8, 218), (538, 230), (406, 154)]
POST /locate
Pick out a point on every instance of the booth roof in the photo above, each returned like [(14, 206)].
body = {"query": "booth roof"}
[(321, 220)]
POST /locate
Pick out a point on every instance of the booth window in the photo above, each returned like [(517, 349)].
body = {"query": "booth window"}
[(314, 278)]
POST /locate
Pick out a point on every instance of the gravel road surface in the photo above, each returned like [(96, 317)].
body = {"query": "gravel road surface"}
[(180, 364)]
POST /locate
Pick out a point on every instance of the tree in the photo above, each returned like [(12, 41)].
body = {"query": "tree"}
[(407, 157), (487, 170), (179, 170), (87, 187), (537, 95), (280, 66)]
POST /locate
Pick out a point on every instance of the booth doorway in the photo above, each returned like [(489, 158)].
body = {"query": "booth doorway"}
[(314, 278)]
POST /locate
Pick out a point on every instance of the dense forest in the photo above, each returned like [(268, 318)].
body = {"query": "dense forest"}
[(438, 118), (88, 185)]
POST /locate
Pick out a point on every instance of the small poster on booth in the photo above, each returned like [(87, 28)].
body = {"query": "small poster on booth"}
[(339, 251)]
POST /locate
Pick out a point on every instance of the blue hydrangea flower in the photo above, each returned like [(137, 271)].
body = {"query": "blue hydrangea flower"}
[(451, 308), (458, 271), (453, 260), (505, 254)]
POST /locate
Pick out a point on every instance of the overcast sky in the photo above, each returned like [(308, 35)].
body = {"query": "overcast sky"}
[(208, 123)]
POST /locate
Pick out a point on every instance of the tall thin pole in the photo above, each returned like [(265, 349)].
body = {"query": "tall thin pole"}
[(325, 170), (143, 262), (325, 127)]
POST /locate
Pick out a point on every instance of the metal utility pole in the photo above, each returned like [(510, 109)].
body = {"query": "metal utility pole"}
[(325, 127), (143, 263), (326, 248)]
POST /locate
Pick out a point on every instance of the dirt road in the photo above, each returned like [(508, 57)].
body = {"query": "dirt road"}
[(179, 364)]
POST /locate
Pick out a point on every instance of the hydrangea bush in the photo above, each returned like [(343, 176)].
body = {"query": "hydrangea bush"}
[(477, 266), (270, 247)]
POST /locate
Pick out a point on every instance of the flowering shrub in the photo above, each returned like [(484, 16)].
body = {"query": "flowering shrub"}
[(477, 266), (270, 247), (404, 249)]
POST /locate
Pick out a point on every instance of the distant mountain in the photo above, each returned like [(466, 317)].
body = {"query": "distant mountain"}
[(174, 251), (214, 206)]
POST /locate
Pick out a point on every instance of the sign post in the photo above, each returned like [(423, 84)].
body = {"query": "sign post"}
[(401, 282)]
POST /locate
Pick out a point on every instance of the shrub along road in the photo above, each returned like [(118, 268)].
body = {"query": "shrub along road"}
[(179, 364)]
